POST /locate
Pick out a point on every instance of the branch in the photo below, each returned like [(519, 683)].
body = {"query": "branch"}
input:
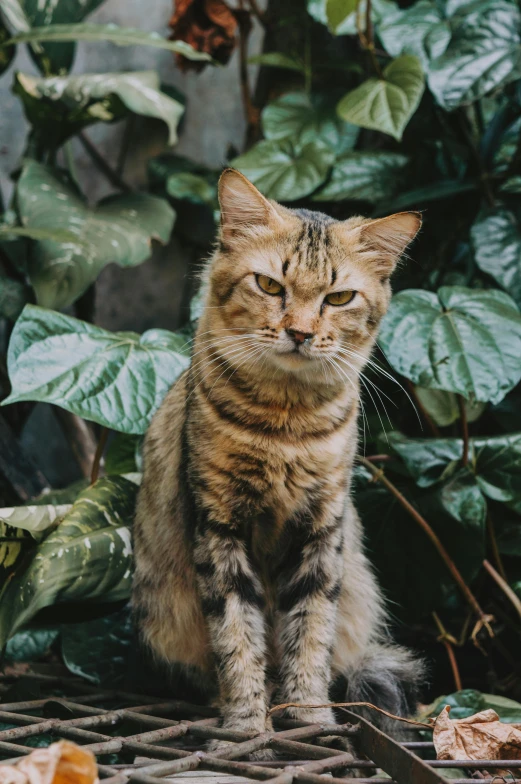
[(448, 641), (484, 620), (494, 546), (464, 430), (507, 590), (251, 112), (99, 454)]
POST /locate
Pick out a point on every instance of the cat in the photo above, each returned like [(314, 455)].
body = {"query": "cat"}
[(250, 570)]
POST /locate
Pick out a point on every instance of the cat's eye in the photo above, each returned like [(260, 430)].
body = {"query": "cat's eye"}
[(269, 285), (340, 297)]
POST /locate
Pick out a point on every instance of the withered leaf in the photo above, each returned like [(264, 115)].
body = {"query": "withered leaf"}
[(479, 737), (61, 763), (208, 25)]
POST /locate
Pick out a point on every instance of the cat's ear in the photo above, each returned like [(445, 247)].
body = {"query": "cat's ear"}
[(388, 237), (243, 207)]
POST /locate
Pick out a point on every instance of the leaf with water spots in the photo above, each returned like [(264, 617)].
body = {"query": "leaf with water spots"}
[(87, 558)]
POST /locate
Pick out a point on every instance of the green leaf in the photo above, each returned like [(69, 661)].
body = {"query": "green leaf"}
[(119, 229), (419, 197), (386, 104), (467, 702), (466, 341), (496, 240), (277, 60), (7, 53), (87, 558), (60, 106), (192, 187), (421, 30), (303, 118), (443, 406), (37, 233), (56, 58), (283, 173), (380, 9), (98, 650), (31, 645), (428, 460), (120, 457), (338, 10), (364, 176), (117, 379), (121, 36), (37, 519), (484, 53)]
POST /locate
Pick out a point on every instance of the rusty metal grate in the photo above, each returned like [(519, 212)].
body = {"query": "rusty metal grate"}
[(143, 739)]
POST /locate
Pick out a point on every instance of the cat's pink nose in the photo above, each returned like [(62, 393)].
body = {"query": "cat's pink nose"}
[(299, 337)]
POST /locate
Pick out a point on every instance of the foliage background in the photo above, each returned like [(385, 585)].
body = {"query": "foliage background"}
[(371, 109)]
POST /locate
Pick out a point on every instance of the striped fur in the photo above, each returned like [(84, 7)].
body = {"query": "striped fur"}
[(250, 569)]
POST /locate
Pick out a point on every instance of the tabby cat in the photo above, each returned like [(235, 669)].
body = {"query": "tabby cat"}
[(250, 568)]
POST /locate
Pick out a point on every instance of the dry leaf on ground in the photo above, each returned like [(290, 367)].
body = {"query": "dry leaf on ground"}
[(208, 25), (61, 763), (479, 737)]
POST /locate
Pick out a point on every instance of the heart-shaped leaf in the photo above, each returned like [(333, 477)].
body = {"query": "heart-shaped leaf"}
[(60, 106), (283, 173), (338, 10), (87, 557), (117, 379), (443, 406), (365, 176), (496, 240), (421, 30), (485, 52), (120, 229), (386, 104), (462, 340), (306, 118)]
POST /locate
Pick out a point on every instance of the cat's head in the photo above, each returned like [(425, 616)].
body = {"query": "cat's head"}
[(296, 289)]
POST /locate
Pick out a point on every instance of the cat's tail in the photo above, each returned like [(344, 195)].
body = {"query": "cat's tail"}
[(387, 676)]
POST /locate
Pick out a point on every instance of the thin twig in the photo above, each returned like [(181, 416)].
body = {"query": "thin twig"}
[(494, 547), (507, 590), (99, 454), (102, 164), (379, 458), (464, 430), (448, 641), (344, 705), (251, 112), (369, 36), (484, 620)]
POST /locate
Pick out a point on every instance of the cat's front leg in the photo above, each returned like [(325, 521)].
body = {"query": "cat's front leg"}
[(308, 590), (232, 602)]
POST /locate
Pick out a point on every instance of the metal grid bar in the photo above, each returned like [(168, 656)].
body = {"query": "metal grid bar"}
[(155, 739)]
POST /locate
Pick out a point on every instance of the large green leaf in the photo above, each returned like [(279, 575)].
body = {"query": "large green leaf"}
[(120, 229), (38, 519), (468, 702), (365, 176), (303, 118), (386, 104), (421, 30), (121, 36), (117, 379), (60, 106), (98, 650), (283, 173), (496, 240), (484, 53), (56, 58), (87, 558), (462, 340)]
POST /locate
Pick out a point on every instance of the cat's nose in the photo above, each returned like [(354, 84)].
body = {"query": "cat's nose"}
[(300, 337)]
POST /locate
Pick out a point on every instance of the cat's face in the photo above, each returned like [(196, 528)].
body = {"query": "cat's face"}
[(296, 290)]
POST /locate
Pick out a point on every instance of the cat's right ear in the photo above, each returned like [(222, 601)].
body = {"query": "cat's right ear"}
[(243, 207)]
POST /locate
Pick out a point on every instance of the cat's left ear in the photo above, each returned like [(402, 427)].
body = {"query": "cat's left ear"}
[(243, 208), (389, 237)]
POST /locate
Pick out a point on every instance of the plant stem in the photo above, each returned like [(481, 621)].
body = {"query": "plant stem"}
[(379, 458), (417, 517), (448, 641), (494, 546), (256, 12), (464, 430), (251, 112), (105, 168), (369, 35), (79, 436), (99, 454), (507, 590)]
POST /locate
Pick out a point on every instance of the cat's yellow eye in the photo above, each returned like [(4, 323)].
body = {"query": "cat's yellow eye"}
[(269, 285), (340, 297)]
